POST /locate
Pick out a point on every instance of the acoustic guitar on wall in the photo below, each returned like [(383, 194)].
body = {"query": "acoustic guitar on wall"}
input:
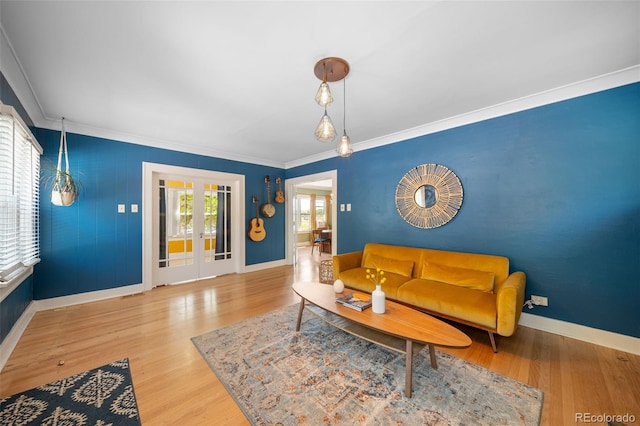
[(279, 193), (256, 225)]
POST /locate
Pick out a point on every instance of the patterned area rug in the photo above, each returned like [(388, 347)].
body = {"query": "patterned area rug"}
[(323, 375), (100, 397)]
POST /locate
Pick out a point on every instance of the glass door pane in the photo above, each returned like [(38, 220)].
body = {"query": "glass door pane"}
[(176, 223), (216, 239)]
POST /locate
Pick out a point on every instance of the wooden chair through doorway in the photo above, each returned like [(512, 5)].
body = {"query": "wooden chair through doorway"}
[(317, 239)]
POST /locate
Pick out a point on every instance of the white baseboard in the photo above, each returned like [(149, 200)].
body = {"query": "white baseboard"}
[(9, 343), (575, 331), (581, 332), (265, 265), (92, 296)]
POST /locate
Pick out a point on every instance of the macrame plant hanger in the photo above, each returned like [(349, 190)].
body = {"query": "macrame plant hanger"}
[(63, 191)]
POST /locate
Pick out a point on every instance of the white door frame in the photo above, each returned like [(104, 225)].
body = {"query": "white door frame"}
[(237, 231), (290, 236)]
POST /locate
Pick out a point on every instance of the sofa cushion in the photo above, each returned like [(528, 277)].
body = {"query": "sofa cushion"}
[(469, 278), (478, 307), (400, 267), (356, 278), (499, 265)]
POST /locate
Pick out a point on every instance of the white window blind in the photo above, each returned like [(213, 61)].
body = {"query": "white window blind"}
[(19, 195)]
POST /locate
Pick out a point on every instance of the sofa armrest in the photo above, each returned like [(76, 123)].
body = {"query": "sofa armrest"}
[(346, 261), (509, 302)]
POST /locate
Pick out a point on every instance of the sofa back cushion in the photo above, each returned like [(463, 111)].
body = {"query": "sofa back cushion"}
[(499, 265), (463, 277), (397, 258), (387, 264)]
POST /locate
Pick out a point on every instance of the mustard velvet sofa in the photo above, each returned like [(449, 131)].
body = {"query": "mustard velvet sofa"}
[(473, 289)]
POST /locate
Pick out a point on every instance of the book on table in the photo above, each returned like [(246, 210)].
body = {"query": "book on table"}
[(354, 302)]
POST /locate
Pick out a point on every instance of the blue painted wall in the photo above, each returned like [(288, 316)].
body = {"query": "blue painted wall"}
[(556, 189), (88, 246), (12, 307)]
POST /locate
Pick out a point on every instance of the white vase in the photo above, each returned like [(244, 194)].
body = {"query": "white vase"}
[(377, 300)]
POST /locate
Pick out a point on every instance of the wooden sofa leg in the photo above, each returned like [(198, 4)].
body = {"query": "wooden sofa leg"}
[(493, 342)]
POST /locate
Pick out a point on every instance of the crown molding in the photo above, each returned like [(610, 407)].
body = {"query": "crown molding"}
[(16, 77), (597, 84)]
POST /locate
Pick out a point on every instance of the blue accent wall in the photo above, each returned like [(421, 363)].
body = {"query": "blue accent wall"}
[(88, 246), (13, 306), (555, 188)]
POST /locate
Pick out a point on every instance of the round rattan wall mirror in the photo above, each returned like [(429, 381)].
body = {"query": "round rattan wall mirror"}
[(428, 196)]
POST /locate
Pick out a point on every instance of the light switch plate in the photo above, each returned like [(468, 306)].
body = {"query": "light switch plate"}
[(341, 207), (134, 208), (348, 207), (121, 208)]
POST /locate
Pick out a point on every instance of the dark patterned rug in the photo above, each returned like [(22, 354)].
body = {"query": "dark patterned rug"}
[(99, 397), (323, 375)]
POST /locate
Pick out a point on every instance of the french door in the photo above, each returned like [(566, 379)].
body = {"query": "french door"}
[(196, 227)]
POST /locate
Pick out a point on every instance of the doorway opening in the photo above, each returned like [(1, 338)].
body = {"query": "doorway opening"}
[(312, 207), (193, 224)]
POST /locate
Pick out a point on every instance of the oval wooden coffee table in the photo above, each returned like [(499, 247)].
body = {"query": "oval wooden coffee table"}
[(399, 326)]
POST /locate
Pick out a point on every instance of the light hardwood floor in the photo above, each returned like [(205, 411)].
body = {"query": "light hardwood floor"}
[(175, 386)]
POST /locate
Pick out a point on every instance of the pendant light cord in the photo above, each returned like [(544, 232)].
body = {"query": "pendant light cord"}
[(344, 105)]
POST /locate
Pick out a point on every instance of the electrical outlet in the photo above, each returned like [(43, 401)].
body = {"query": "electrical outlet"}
[(540, 300)]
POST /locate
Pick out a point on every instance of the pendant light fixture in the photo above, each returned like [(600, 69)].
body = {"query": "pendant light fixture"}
[(344, 145), (325, 132), (323, 97), (328, 70)]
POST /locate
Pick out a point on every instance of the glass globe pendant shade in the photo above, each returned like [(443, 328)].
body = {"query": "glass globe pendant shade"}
[(344, 146), (325, 132), (323, 97)]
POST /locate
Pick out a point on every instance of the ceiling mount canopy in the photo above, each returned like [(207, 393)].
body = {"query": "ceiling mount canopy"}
[(331, 69)]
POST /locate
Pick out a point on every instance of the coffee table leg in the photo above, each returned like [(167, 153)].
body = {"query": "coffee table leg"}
[(300, 314), (408, 369), (432, 354)]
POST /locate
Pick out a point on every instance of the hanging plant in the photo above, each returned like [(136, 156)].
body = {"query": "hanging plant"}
[(64, 190)]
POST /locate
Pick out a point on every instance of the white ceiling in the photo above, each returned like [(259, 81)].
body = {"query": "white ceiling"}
[(234, 79)]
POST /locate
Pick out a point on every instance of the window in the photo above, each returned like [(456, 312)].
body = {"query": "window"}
[(305, 217), (304, 207), (19, 196), (321, 213)]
